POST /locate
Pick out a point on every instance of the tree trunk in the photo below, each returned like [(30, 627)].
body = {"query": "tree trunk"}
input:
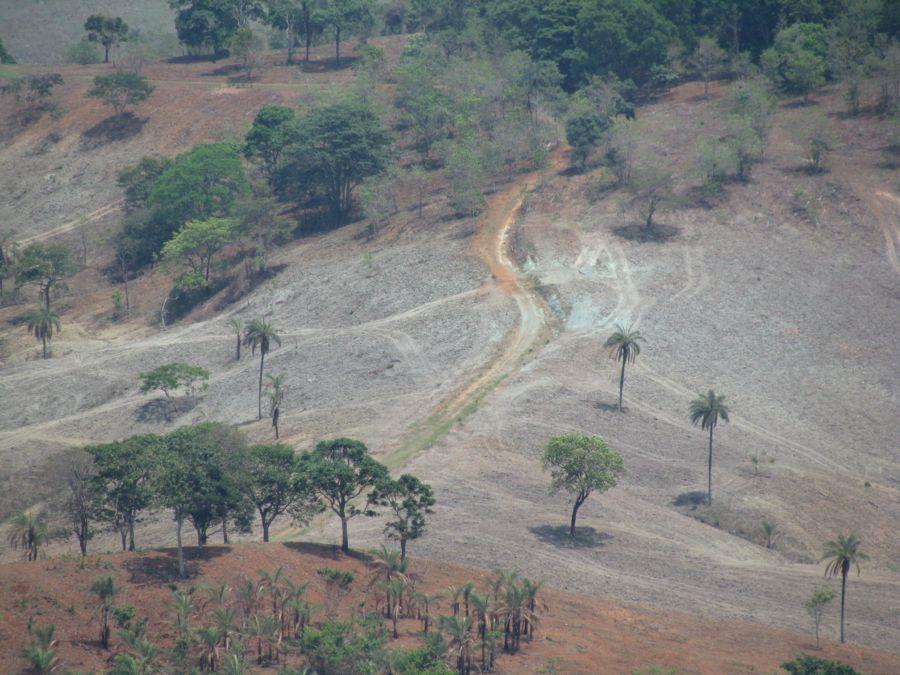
[(225, 530), (709, 468), (179, 519), (402, 548), (843, 600), (306, 33), (44, 344), (105, 53), (705, 88), (262, 359), (337, 46), (622, 383), (345, 541), (265, 526), (123, 533), (104, 629), (578, 502), (237, 348), (131, 533)]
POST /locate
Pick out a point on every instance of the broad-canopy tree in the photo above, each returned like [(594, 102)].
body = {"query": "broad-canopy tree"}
[(333, 150), (581, 465), (651, 191), (796, 62), (341, 471), (706, 410), (584, 131), (345, 15), (624, 345), (107, 30), (45, 265), (842, 554), (409, 501), (121, 89), (268, 137), (196, 245), (138, 180), (707, 61), (207, 25), (170, 378), (121, 482), (262, 335), (41, 322), (275, 486)]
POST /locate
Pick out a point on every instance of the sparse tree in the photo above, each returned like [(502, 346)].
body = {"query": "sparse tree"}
[(237, 325), (623, 145), (41, 322), (409, 500), (340, 471), (106, 590), (815, 606), (707, 61), (28, 531), (195, 247), (651, 191), (47, 267), (624, 345), (841, 554), (706, 410), (746, 144), (581, 465), (108, 31), (121, 90), (769, 532), (80, 504), (818, 139), (248, 47), (261, 335)]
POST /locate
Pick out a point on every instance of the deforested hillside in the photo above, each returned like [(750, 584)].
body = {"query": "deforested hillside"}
[(599, 295)]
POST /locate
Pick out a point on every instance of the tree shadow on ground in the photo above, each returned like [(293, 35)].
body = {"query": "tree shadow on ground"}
[(558, 535), (227, 69), (692, 499), (160, 410), (161, 566), (326, 65), (113, 129), (607, 407), (325, 551), (658, 233)]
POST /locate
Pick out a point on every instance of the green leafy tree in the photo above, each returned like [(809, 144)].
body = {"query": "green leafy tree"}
[(137, 181), (274, 485), (41, 653), (108, 31), (268, 137), (34, 90), (334, 149), (46, 266), (812, 665), (106, 590), (409, 501), (261, 335), (818, 139), (205, 26), (344, 15), (706, 410), (121, 89), (5, 56), (465, 170), (624, 345), (170, 378), (745, 143), (651, 191), (195, 247), (121, 483), (248, 47), (584, 131), (28, 531), (842, 554), (796, 62), (340, 471), (41, 322), (815, 607), (581, 465)]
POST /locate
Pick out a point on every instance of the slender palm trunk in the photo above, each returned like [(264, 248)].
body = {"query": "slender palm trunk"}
[(262, 360), (621, 384), (337, 46), (843, 600), (44, 345), (237, 348), (709, 468)]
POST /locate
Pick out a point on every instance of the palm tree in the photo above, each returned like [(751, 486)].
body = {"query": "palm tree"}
[(105, 589), (238, 326), (209, 638), (706, 410), (41, 322), (275, 391), (261, 334), (28, 531), (842, 553), (460, 640), (41, 653), (388, 565), (624, 345)]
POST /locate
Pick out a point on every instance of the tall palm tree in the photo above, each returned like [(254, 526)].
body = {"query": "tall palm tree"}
[(28, 531), (238, 326), (624, 345), (275, 391), (387, 565), (842, 553), (261, 334), (706, 410), (41, 322)]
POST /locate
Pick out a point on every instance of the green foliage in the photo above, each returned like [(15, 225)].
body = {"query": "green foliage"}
[(332, 150), (46, 266), (343, 16), (409, 501), (268, 137), (707, 61), (169, 378), (138, 180), (339, 471), (813, 665), (28, 531), (465, 168), (33, 90), (580, 465), (248, 47), (5, 56), (584, 131), (84, 53), (41, 653), (41, 322), (195, 246), (815, 607), (651, 191), (346, 647), (796, 62), (206, 26), (121, 89), (108, 31)]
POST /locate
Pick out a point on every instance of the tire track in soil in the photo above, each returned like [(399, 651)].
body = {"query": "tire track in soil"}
[(71, 225)]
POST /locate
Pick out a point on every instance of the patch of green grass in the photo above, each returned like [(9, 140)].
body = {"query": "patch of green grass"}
[(7, 73)]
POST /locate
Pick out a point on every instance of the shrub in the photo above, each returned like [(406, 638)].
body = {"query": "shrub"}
[(84, 53)]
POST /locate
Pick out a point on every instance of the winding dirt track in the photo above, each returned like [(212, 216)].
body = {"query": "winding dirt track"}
[(492, 245)]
